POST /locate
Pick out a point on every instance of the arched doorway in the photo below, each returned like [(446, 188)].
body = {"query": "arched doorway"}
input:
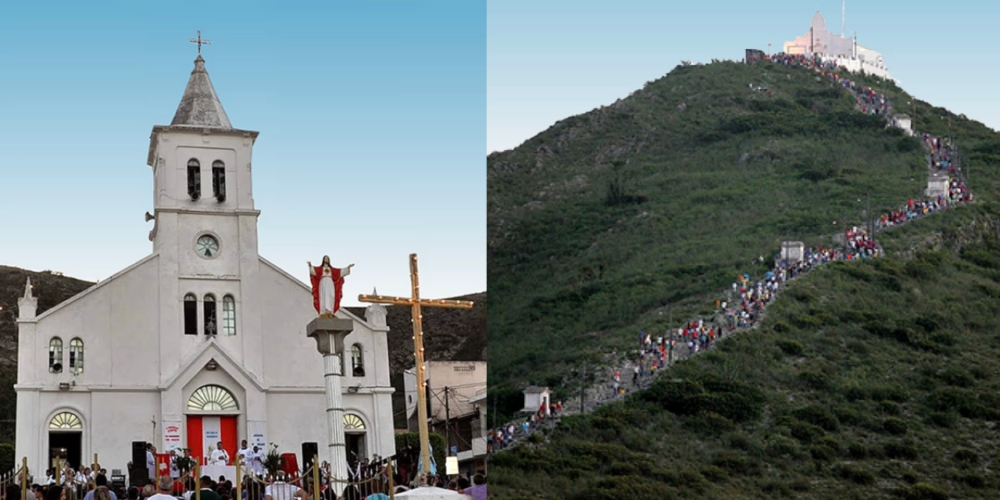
[(212, 413), (65, 440), (354, 437)]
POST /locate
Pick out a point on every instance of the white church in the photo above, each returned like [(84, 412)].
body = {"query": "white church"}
[(201, 341), (840, 49)]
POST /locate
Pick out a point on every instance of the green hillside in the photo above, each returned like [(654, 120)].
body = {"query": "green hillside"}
[(626, 217), (870, 379)]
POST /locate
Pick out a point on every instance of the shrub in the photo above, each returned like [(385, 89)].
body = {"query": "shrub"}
[(818, 415), (944, 419), (806, 433), (857, 451), (821, 453), (957, 377), (791, 347), (855, 393), (709, 424), (714, 474), (910, 477), (902, 451), (967, 456), (779, 446), (974, 481), (614, 488), (623, 469), (888, 408), (814, 380), (888, 393), (924, 491), (894, 426), (737, 464), (856, 476), (847, 415)]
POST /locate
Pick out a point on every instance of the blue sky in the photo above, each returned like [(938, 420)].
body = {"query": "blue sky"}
[(383, 100), (550, 60)]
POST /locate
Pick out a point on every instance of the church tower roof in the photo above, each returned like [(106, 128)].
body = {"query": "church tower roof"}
[(200, 106)]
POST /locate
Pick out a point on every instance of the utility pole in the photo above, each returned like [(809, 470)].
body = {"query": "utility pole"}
[(871, 230), (447, 423), (495, 396)]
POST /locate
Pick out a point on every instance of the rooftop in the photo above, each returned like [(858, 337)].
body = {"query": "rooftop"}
[(200, 105)]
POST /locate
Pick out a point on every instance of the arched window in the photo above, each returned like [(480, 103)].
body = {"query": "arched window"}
[(211, 325), (190, 314), (353, 423), (55, 355), (358, 360), (65, 421), (229, 315), (212, 398), (194, 179), (76, 356), (219, 180)]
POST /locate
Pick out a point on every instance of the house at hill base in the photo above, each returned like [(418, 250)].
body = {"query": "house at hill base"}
[(455, 408)]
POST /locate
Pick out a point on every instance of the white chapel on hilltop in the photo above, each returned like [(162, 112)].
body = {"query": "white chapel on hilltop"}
[(844, 51), (201, 341)]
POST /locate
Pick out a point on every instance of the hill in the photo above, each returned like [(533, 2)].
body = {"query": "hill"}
[(449, 334), (871, 378), (635, 216)]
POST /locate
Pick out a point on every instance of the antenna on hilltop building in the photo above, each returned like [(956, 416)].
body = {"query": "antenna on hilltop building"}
[(843, 18)]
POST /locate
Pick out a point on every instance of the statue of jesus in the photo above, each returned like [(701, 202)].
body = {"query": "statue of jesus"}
[(327, 286)]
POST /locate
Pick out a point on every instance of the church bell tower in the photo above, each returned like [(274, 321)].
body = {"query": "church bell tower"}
[(203, 204)]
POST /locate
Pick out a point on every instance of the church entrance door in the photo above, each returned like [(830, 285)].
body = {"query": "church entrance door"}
[(66, 446), (204, 433), (356, 451)]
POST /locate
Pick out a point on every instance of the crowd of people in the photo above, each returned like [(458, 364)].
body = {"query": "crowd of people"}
[(941, 151), (868, 100)]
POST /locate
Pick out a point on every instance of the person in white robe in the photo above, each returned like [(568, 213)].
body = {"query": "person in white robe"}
[(257, 461), (242, 457), (219, 455), (151, 461)]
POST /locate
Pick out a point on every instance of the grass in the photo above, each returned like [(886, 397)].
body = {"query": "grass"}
[(870, 379)]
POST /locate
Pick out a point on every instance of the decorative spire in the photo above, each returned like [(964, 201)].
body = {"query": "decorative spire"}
[(200, 105), (375, 313), (27, 306)]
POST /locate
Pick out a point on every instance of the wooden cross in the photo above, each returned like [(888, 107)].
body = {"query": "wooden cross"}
[(199, 41), (418, 348)]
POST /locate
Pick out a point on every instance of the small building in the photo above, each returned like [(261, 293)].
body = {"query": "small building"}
[(937, 186), (453, 409), (793, 252), (535, 397), (904, 122), (474, 460), (754, 56)]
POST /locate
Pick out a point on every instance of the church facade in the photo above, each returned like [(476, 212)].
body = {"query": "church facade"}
[(201, 341)]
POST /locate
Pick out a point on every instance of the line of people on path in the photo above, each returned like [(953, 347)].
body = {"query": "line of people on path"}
[(942, 152)]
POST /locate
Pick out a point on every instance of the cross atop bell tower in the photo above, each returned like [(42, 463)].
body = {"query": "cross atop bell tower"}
[(199, 41)]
